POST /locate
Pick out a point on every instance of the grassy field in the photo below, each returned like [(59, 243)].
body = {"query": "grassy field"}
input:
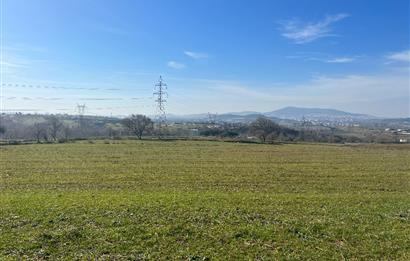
[(192, 200)]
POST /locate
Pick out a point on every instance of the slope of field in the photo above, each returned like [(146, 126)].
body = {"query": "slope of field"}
[(193, 200)]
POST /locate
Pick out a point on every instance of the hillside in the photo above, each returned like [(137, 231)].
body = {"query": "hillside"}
[(297, 113)]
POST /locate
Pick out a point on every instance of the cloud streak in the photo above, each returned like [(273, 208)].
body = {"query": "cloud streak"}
[(403, 56), (301, 33), (176, 65), (326, 58), (196, 55), (341, 60)]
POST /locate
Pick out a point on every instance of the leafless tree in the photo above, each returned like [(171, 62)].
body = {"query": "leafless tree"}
[(138, 124), (55, 127), (40, 131), (264, 128)]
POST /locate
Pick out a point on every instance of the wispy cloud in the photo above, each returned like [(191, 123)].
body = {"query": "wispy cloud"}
[(19, 60), (12, 65), (301, 32), (403, 56), (22, 47), (175, 65), (196, 55), (331, 60), (14, 61), (323, 57), (341, 60)]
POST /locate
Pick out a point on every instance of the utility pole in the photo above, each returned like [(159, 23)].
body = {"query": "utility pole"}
[(161, 95)]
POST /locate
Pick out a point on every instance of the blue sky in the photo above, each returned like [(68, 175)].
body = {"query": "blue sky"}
[(216, 56)]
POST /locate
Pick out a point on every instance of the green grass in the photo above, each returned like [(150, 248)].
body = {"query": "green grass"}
[(198, 200)]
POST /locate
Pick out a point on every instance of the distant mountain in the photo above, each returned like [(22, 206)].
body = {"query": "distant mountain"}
[(287, 113), (244, 113), (296, 113), (225, 117), (187, 117), (233, 117)]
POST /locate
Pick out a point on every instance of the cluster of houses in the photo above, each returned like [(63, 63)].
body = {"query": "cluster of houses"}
[(403, 134)]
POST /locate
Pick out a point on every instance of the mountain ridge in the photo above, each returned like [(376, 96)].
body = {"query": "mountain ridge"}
[(292, 112), (286, 113)]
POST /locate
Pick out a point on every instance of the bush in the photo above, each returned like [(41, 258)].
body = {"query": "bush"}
[(15, 142)]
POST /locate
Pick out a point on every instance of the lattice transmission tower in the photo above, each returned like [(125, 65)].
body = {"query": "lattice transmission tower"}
[(81, 112), (160, 95)]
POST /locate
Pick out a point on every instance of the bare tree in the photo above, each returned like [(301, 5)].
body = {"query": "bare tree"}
[(264, 128), (138, 124), (55, 127), (2, 130), (40, 131), (67, 131)]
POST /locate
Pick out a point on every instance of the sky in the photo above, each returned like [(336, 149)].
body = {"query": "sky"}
[(215, 56)]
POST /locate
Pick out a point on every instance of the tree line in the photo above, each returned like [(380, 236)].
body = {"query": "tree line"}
[(62, 128), (52, 128)]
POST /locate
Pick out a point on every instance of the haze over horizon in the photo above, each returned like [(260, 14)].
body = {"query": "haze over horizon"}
[(215, 56)]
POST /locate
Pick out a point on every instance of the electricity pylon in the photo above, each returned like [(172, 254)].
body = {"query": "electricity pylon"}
[(161, 95)]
